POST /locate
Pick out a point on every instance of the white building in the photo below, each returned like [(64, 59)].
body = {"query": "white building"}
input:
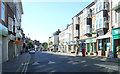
[(55, 41), (64, 38)]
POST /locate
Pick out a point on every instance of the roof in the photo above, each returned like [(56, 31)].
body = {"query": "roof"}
[(85, 8)]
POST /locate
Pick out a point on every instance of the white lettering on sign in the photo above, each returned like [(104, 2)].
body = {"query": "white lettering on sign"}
[(117, 31)]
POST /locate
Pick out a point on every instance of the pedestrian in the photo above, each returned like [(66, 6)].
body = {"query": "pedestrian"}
[(83, 52)]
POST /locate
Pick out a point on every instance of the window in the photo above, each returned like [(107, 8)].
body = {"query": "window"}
[(100, 22), (108, 40), (97, 24), (116, 16), (80, 19), (100, 5), (93, 27), (96, 7), (3, 12), (93, 11)]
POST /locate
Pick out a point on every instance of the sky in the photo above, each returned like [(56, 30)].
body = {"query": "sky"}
[(41, 19)]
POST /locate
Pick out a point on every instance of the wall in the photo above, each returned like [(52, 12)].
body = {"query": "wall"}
[(4, 49)]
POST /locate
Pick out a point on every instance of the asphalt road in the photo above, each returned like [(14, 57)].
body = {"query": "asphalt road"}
[(48, 62)]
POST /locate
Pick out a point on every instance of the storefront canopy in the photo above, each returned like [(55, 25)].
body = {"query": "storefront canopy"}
[(3, 30), (104, 36)]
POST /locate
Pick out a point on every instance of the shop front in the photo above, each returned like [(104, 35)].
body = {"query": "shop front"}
[(3, 43), (91, 46), (82, 46), (116, 42), (74, 46), (104, 47)]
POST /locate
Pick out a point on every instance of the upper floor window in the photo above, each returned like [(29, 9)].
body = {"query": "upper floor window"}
[(96, 7), (116, 17), (2, 11), (80, 19), (97, 24), (93, 27), (100, 22), (100, 5), (106, 6), (93, 11)]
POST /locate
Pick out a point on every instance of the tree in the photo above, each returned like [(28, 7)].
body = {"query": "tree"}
[(30, 44), (51, 43), (45, 45)]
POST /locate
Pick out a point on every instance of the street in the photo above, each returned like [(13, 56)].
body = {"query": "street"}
[(49, 62)]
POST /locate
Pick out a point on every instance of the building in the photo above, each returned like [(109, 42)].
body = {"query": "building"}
[(103, 27), (3, 32), (9, 11), (18, 11), (115, 27), (63, 39), (54, 41)]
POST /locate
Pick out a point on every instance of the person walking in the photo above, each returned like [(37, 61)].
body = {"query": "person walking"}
[(83, 52)]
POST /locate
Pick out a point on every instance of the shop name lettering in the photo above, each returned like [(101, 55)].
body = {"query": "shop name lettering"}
[(117, 31)]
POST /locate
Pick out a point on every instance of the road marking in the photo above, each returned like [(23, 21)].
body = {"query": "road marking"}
[(108, 66), (51, 62), (35, 63), (27, 64)]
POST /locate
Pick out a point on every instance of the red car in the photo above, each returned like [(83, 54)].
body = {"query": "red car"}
[(44, 49)]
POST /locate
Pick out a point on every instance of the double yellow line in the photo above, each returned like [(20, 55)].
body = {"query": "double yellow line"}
[(24, 66)]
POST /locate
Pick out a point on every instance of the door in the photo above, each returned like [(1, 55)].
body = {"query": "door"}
[(88, 47)]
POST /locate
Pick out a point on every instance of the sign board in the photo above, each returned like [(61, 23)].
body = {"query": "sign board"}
[(116, 31), (91, 40)]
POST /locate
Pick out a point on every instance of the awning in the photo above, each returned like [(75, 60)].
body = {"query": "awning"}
[(3, 30), (104, 36), (19, 42)]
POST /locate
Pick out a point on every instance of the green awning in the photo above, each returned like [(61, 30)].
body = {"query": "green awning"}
[(116, 7), (3, 30)]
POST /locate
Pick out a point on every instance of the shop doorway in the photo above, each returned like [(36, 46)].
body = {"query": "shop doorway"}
[(11, 50), (104, 47), (116, 43)]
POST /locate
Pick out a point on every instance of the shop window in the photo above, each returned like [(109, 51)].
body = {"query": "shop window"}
[(108, 40), (100, 45)]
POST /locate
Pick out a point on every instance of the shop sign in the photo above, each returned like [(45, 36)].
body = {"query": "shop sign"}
[(91, 40), (116, 37), (116, 31), (19, 42), (74, 42), (68, 42), (81, 42), (3, 30)]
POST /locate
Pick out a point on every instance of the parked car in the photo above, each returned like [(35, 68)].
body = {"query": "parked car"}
[(32, 51), (44, 49)]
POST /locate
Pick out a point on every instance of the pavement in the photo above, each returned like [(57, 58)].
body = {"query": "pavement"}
[(60, 62), (15, 64), (102, 58)]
